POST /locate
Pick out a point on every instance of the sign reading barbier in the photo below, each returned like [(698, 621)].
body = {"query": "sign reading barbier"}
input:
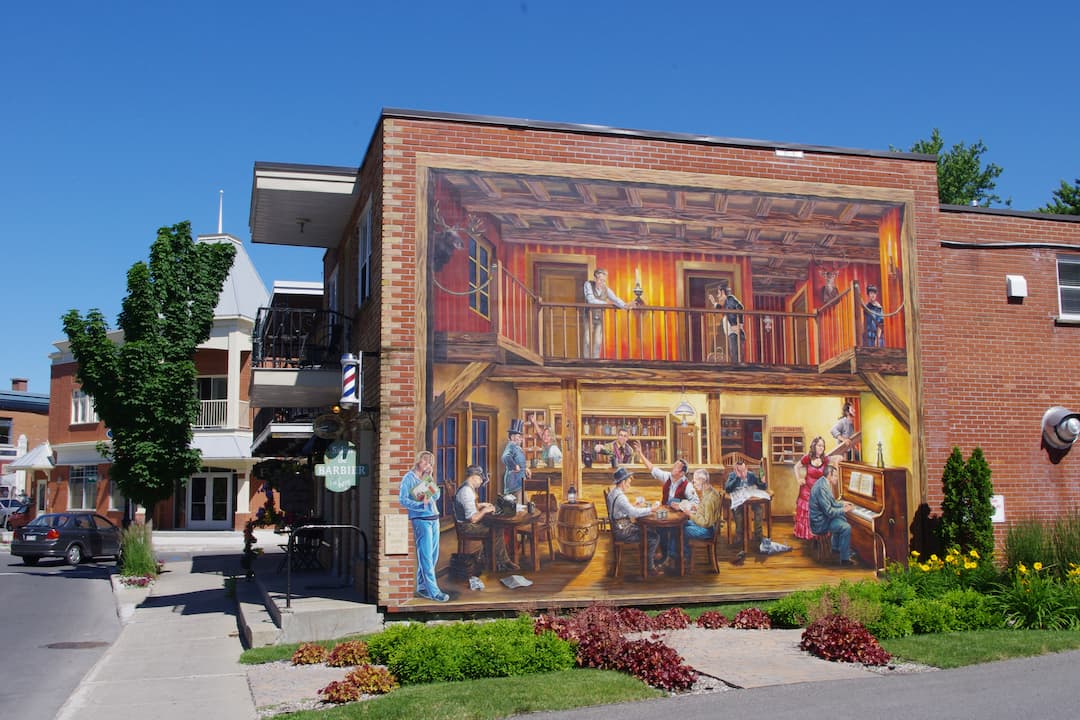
[(339, 466)]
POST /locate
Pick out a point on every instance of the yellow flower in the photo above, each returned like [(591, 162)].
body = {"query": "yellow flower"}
[(935, 558), (968, 565), (914, 553), (924, 567), (974, 553), (1038, 566), (1022, 569)]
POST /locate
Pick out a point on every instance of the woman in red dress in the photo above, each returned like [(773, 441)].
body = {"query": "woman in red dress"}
[(811, 467)]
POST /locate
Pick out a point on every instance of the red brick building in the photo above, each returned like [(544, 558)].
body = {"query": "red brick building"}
[(458, 256)]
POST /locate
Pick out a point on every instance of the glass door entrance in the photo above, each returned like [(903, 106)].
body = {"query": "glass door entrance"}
[(210, 502)]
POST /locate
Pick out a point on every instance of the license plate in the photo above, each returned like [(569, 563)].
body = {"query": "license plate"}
[(29, 537)]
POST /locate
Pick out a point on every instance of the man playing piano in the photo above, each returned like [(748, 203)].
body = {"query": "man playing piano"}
[(827, 515)]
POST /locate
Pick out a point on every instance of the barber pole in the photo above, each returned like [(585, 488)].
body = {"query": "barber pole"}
[(350, 379)]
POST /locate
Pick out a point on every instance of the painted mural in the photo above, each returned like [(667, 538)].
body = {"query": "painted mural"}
[(646, 386)]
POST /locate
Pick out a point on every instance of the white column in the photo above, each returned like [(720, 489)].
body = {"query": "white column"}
[(232, 412)]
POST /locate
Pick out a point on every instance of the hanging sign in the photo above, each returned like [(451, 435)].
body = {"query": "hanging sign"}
[(339, 466)]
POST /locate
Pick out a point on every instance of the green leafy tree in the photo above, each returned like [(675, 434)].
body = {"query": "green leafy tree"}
[(966, 511), (144, 386), (962, 179), (1066, 200)]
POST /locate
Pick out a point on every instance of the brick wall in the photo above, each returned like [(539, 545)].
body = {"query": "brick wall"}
[(402, 327), (991, 368)]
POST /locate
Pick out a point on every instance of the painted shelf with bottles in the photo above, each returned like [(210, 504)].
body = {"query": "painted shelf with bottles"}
[(649, 429)]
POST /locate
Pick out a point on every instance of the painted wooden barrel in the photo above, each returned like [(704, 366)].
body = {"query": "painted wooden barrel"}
[(577, 531)]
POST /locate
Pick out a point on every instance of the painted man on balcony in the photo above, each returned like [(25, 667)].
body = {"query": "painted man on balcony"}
[(419, 495), (598, 293), (732, 321)]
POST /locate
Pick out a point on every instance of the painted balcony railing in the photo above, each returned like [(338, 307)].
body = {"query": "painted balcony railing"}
[(299, 338), (647, 333)]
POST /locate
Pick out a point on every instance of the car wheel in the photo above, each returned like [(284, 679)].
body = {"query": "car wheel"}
[(30, 559), (74, 555)]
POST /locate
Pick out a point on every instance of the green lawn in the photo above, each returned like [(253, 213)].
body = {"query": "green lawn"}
[(949, 650), (503, 697), (494, 697)]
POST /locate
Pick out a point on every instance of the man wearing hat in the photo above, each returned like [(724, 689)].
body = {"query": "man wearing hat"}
[(516, 468), (622, 514), (469, 515), (873, 318)]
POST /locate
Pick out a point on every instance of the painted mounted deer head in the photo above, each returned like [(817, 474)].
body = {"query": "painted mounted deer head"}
[(829, 273), (448, 239)]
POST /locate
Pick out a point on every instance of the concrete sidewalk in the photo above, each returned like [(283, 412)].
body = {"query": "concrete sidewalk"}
[(176, 656)]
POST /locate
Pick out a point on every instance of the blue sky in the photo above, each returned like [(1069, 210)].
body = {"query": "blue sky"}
[(121, 117)]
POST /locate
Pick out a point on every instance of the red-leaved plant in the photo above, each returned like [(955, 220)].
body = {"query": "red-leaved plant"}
[(671, 619), (339, 691), (836, 637), (350, 652), (751, 619), (309, 654), (372, 679), (712, 620)]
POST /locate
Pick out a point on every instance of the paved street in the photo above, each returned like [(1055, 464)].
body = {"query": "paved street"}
[(1040, 687), (56, 621)]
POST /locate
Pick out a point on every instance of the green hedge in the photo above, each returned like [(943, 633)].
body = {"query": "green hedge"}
[(417, 653)]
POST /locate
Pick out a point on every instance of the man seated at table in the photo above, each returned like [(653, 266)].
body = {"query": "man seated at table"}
[(676, 488), (469, 515), (622, 513), (741, 485), (704, 513)]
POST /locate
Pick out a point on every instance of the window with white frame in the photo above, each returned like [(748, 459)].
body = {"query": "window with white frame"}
[(1068, 267), (82, 408), (479, 276), (363, 246), (82, 487), (6, 424)]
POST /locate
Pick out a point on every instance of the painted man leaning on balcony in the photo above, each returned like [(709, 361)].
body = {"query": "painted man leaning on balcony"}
[(599, 294)]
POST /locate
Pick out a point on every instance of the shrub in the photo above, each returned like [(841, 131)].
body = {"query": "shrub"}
[(972, 610), (339, 691), (965, 509), (671, 619), (892, 621), (372, 680), (1034, 600), (654, 663), (309, 654), (350, 652), (794, 610), (137, 551), (1066, 543), (842, 639), (431, 653), (1026, 543), (712, 620), (930, 615), (751, 619)]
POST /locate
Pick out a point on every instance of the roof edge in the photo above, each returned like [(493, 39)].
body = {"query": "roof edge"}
[(1007, 212), (646, 134)]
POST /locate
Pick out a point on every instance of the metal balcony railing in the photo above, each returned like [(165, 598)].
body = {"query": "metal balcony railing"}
[(297, 338)]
